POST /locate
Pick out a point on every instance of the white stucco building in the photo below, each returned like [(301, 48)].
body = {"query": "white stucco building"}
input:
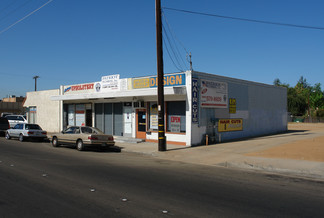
[(196, 104)]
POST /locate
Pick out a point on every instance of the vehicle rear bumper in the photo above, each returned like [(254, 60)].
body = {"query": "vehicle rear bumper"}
[(103, 144), (36, 137)]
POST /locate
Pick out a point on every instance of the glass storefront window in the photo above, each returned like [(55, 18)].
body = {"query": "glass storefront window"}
[(80, 115), (176, 116), (74, 115), (71, 110), (153, 111)]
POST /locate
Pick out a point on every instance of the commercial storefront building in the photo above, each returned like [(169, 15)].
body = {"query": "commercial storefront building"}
[(198, 107)]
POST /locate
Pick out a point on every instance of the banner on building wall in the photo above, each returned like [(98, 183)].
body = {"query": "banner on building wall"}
[(213, 94), (108, 87), (151, 82), (110, 82), (123, 84), (228, 125), (80, 88), (194, 100)]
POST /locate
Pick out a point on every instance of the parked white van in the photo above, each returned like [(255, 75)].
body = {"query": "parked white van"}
[(15, 119)]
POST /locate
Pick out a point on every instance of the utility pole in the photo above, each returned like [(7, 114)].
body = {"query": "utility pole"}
[(160, 76), (35, 78), (190, 62)]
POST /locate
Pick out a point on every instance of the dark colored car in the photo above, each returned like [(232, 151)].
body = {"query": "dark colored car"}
[(4, 125)]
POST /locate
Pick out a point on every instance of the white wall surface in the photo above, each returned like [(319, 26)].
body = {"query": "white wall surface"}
[(48, 111)]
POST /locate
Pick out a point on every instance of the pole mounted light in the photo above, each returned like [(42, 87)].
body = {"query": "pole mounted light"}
[(160, 76), (35, 78)]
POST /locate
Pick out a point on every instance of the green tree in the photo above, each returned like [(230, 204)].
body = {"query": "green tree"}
[(302, 83), (277, 82), (303, 97), (316, 97), (296, 102)]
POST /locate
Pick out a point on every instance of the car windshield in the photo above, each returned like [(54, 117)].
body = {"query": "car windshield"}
[(33, 126), (90, 130)]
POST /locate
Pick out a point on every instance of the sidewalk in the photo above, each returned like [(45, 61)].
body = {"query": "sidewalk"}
[(299, 152)]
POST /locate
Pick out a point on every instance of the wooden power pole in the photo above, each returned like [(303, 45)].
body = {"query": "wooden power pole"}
[(160, 76)]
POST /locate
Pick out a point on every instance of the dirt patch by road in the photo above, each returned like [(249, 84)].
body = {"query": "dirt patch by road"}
[(311, 149)]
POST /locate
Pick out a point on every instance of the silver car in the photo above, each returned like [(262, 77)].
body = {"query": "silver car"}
[(23, 131)]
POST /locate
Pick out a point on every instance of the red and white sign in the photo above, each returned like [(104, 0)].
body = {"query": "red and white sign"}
[(175, 123), (80, 88), (213, 94)]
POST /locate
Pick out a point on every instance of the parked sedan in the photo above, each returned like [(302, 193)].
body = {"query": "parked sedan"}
[(23, 131), (82, 136)]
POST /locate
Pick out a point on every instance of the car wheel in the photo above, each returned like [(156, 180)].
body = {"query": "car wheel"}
[(55, 142), (21, 137), (8, 136), (80, 145)]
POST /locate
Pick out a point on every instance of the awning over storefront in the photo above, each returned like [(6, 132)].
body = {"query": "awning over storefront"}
[(125, 93)]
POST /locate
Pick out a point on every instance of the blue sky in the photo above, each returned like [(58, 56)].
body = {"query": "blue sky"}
[(70, 42)]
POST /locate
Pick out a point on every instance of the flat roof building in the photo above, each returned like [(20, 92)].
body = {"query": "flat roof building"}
[(199, 107)]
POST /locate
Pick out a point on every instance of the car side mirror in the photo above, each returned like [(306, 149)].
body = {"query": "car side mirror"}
[(62, 132)]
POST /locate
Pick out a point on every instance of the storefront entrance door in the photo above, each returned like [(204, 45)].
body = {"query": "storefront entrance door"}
[(141, 123)]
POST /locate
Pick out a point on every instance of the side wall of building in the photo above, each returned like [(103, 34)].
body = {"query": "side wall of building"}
[(47, 111), (262, 108)]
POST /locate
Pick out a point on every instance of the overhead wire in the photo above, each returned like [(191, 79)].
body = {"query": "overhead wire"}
[(14, 10), (179, 67), (34, 11), (244, 19), (175, 40), (166, 47)]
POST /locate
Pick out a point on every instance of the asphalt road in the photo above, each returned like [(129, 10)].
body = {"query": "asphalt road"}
[(37, 180)]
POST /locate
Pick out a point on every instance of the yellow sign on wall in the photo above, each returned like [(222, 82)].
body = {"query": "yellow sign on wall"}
[(168, 80), (232, 106), (228, 125), (141, 83)]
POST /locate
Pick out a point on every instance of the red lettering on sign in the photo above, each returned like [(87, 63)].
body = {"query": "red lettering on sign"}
[(175, 119)]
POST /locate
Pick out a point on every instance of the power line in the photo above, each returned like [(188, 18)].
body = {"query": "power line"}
[(4, 30), (171, 56), (172, 49), (245, 19), (173, 36), (15, 9)]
